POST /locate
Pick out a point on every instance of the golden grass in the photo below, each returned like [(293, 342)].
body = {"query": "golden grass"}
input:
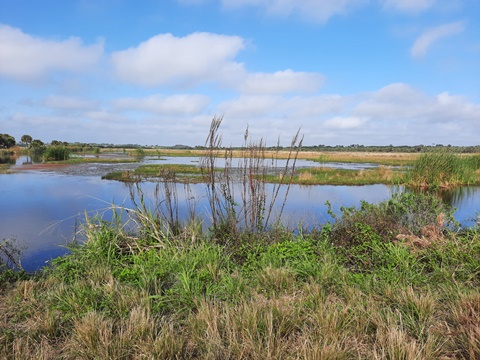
[(333, 156)]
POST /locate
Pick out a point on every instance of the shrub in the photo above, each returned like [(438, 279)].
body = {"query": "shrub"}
[(56, 153), (405, 213)]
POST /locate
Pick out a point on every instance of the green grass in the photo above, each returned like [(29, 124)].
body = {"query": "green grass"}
[(443, 169), (4, 168), (331, 176), (179, 173), (396, 280)]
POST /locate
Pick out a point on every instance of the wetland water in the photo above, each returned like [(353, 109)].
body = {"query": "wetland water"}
[(42, 209)]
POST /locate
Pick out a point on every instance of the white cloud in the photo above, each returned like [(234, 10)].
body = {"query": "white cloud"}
[(429, 37), (319, 10), (400, 102), (281, 82), (393, 101), (68, 103), (107, 117), (251, 106), (395, 114), (342, 122), (185, 104), (301, 107), (26, 57), (166, 59), (411, 6), (295, 108)]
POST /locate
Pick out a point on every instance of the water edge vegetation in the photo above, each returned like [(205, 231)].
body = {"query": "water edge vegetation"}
[(395, 280)]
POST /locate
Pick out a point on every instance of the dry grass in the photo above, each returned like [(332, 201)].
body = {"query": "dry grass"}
[(361, 157)]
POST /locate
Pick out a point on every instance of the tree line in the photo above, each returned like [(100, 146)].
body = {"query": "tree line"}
[(7, 141)]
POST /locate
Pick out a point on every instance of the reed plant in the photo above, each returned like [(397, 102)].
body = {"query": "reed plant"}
[(56, 153), (443, 169), (252, 209)]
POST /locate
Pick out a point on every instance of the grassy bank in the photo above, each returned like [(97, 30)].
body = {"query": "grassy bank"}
[(4, 168), (395, 280), (330, 176), (179, 173)]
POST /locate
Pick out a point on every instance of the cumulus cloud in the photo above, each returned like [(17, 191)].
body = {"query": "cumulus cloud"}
[(281, 82), (296, 107), (252, 106), (311, 9), (344, 122), (393, 101), (411, 6), (25, 57), (165, 59), (395, 114), (183, 104), (429, 37), (107, 117), (68, 103), (403, 103)]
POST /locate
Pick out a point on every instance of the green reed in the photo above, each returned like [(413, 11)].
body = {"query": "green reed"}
[(443, 169)]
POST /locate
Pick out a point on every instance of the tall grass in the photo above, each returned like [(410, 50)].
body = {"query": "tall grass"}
[(132, 292), (253, 208), (443, 169)]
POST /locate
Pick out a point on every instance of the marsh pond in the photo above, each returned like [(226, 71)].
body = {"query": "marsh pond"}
[(42, 207)]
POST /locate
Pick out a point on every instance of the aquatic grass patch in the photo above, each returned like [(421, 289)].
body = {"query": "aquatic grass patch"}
[(181, 173), (331, 176), (386, 159), (443, 169)]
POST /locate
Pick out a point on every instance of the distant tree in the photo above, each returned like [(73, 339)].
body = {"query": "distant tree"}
[(27, 140), (6, 141), (56, 143), (37, 146), (37, 143)]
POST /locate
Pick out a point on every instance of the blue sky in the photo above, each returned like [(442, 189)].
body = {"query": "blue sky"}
[(155, 72)]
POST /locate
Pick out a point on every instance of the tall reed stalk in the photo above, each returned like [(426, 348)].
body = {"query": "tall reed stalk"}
[(252, 209)]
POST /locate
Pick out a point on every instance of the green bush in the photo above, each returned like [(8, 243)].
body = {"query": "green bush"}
[(404, 213), (56, 153)]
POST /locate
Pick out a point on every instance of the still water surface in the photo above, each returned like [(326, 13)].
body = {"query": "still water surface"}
[(42, 209)]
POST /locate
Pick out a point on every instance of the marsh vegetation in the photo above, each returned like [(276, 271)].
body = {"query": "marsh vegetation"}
[(393, 280)]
